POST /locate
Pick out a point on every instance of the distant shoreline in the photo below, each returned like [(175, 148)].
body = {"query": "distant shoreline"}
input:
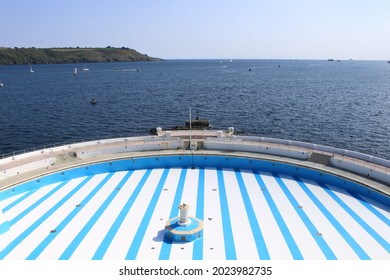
[(20, 56)]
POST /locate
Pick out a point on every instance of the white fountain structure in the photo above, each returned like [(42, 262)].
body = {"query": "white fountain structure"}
[(183, 227)]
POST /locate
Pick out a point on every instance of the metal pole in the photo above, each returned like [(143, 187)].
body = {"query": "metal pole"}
[(190, 129)]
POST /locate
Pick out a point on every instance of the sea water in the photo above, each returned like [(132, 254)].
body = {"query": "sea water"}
[(343, 104)]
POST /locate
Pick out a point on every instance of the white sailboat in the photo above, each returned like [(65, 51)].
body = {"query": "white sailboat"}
[(75, 71), (31, 69), (85, 68)]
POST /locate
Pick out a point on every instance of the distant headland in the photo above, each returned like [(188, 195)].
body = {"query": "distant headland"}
[(16, 56)]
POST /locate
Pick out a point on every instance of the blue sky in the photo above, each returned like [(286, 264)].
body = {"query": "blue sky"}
[(258, 29)]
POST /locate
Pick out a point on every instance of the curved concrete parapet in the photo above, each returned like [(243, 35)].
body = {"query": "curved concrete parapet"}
[(51, 159), (24, 167), (358, 163)]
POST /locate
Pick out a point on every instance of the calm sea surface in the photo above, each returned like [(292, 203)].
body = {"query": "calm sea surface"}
[(342, 104)]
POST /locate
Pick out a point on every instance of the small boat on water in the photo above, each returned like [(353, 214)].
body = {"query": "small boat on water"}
[(93, 101), (31, 69), (75, 71), (1, 84), (85, 68), (193, 124)]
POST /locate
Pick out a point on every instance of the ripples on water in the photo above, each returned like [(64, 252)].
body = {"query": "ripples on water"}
[(341, 104)]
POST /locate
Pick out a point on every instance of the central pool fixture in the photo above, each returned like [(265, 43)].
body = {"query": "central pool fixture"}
[(184, 228)]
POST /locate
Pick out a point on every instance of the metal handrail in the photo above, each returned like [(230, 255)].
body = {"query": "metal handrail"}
[(59, 144), (88, 146)]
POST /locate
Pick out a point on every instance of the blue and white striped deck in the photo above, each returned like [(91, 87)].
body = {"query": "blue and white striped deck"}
[(248, 215)]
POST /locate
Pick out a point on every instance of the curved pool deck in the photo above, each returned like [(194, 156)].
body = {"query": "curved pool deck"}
[(251, 207)]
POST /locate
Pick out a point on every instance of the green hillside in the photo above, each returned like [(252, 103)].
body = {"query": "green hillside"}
[(9, 56)]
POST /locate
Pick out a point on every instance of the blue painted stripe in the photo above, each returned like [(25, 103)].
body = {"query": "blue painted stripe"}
[(230, 250), (19, 200), (137, 240), (306, 220), (37, 203), (39, 249), (4, 226), (378, 238), (99, 254), (336, 224), (256, 231), (167, 243), (84, 231), (178, 194), (292, 245), (197, 253), (43, 218), (371, 208)]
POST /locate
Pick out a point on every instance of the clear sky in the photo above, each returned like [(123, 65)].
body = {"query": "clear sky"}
[(258, 29)]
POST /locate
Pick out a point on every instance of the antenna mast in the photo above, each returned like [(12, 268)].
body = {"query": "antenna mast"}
[(190, 129)]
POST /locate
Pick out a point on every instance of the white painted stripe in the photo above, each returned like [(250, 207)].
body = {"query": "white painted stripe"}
[(213, 240), (369, 245), (183, 251), (97, 233), (23, 205), (381, 208), (25, 247), (276, 245), (190, 190), (60, 214), (154, 235), (9, 200), (243, 237), (126, 232), (34, 215), (305, 242), (65, 237), (329, 233), (370, 218)]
